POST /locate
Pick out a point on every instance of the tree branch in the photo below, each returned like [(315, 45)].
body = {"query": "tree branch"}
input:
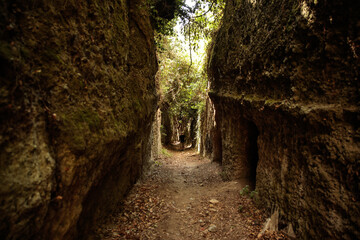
[(190, 49), (206, 11)]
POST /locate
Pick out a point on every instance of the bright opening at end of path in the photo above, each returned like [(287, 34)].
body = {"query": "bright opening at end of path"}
[(199, 55)]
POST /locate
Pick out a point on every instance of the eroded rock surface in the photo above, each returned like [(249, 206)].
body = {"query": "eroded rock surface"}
[(284, 82), (77, 100)]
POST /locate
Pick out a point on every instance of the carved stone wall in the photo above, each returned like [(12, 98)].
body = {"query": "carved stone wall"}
[(284, 82)]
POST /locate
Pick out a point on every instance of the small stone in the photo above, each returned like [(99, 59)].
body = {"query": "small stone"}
[(115, 234), (214, 201), (290, 231), (212, 228)]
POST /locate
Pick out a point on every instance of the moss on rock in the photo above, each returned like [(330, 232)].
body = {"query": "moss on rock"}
[(77, 100)]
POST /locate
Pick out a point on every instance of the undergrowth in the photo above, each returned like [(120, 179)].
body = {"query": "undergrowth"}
[(165, 152)]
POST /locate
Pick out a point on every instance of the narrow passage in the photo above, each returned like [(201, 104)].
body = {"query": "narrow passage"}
[(184, 197)]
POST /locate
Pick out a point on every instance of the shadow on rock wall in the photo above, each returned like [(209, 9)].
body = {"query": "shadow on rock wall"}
[(77, 101), (287, 72)]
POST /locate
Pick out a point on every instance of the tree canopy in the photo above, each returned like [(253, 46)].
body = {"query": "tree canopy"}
[(181, 53)]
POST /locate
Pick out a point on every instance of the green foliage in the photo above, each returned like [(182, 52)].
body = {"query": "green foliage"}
[(197, 21), (183, 87), (164, 14), (164, 26), (201, 21), (162, 130), (240, 208), (157, 163), (165, 152), (253, 194), (245, 191), (181, 77)]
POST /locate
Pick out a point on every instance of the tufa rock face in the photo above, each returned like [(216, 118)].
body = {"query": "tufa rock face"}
[(77, 101), (284, 82), (210, 142)]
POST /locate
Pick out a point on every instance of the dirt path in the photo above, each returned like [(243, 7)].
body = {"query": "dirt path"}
[(183, 197)]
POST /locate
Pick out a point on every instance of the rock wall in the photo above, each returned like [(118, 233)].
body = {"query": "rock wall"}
[(77, 100), (167, 128), (285, 84), (156, 136), (210, 138)]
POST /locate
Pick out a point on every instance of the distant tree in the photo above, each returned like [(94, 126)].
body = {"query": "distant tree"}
[(182, 81)]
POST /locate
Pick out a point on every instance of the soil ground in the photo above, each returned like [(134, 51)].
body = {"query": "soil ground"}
[(183, 197)]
